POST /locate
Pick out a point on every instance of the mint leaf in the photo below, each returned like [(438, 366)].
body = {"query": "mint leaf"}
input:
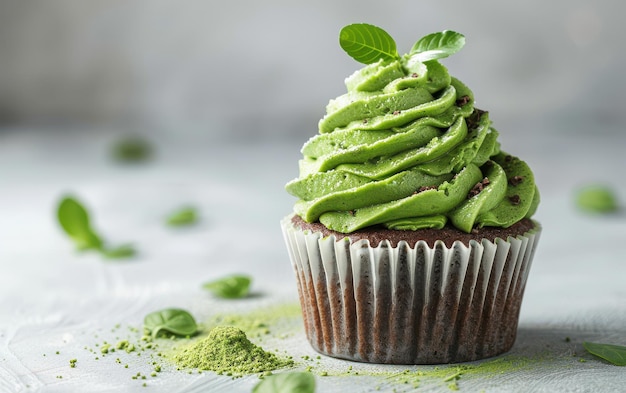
[(438, 45), (74, 219), (183, 216), (123, 251), (367, 43), (614, 354), (132, 149), (597, 199), (230, 287), (172, 320), (293, 382)]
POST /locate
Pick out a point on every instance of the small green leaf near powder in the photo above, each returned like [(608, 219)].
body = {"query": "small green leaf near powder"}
[(367, 43), (596, 199), (437, 45), (183, 216), (614, 354), (290, 382), (230, 287), (171, 320)]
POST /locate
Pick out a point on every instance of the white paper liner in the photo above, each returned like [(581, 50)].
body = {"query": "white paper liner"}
[(410, 305)]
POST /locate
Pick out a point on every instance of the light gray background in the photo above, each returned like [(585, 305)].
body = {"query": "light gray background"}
[(262, 69)]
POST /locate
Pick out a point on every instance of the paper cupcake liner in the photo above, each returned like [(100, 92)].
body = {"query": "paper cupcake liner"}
[(410, 305)]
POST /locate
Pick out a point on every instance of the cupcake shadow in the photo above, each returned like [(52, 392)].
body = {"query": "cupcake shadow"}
[(548, 341)]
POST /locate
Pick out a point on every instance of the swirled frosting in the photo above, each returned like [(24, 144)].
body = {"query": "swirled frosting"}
[(406, 148)]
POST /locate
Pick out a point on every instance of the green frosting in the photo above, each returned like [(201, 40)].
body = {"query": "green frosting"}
[(405, 148)]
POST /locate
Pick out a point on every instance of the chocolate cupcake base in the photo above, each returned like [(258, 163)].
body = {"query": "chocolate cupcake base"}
[(410, 302)]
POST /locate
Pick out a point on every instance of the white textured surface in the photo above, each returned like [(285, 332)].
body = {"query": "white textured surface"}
[(52, 299)]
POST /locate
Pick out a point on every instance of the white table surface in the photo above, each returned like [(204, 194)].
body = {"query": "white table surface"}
[(54, 299)]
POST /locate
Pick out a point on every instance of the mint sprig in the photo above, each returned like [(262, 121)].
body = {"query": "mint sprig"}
[(438, 45), (368, 44)]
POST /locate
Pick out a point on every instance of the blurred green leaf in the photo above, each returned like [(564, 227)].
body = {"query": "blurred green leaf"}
[(132, 149), (74, 220), (123, 251), (230, 287), (597, 199), (183, 216), (288, 382)]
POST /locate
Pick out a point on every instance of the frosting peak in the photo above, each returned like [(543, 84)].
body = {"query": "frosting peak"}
[(405, 148)]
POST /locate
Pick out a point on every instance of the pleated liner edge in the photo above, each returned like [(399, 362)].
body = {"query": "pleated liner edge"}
[(410, 305)]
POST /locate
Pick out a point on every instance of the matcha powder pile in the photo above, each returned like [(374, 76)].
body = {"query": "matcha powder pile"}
[(227, 350)]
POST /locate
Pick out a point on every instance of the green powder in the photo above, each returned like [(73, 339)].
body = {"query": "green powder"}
[(446, 377), (450, 375), (227, 350), (275, 321)]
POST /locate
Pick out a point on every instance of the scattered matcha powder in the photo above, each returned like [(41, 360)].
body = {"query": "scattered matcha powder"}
[(104, 349), (451, 375), (283, 319), (227, 350), (125, 345)]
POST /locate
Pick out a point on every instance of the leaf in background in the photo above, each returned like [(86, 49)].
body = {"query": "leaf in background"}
[(132, 149), (231, 287), (289, 382), (123, 251), (367, 43), (615, 354), (183, 216), (597, 198), (74, 220), (171, 320), (438, 45)]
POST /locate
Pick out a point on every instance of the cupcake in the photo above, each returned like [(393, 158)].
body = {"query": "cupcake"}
[(412, 238)]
